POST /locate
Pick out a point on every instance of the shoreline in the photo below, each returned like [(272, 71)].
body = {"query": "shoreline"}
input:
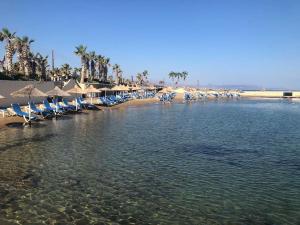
[(135, 102), (132, 103)]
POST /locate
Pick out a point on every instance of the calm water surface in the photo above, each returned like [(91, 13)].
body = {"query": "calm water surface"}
[(235, 162)]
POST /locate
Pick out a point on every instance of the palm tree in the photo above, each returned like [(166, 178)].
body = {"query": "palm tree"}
[(178, 76), (172, 75), (9, 37), (127, 81), (139, 78), (92, 58), (184, 75), (18, 46), (81, 51), (106, 64), (24, 44), (99, 66), (145, 76), (55, 74), (76, 73), (41, 66), (118, 72), (110, 79), (66, 71), (32, 63)]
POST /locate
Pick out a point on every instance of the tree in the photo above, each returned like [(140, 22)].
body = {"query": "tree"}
[(76, 73), (172, 75), (110, 79), (184, 75), (145, 76), (56, 74), (106, 64), (99, 66), (139, 78), (81, 51), (9, 38), (118, 72), (19, 47), (92, 58), (41, 66), (177, 75), (25, 44), (66, 71)]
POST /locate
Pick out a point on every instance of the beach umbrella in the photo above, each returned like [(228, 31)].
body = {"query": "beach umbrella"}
[(55, 92), (117, 88), (105, 89), (28, 91), (76, 90), (120, 88), (92, 89)]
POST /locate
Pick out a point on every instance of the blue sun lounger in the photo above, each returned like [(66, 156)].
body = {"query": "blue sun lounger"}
[(48, 107), (18, 111), (84, 104), (66, 103), (43, 113), (61, 107), (106, 101)]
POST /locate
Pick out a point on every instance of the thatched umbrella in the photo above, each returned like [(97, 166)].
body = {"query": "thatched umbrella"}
[(105, 89), (76, 90), (92, 89), (120, 88), (55, 92), (28, 91)]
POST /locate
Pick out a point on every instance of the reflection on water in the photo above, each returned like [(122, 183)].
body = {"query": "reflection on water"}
[(202, 163)]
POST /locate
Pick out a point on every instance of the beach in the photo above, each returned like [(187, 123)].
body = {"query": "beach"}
[(132, 103)]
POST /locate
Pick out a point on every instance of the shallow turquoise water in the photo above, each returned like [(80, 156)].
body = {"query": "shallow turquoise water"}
[(223, 162)]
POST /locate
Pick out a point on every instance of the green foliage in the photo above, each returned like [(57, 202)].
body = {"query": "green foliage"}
[(15, 76), (178, 75)]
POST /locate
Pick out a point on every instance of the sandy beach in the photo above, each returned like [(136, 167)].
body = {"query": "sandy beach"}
[(135, 103)]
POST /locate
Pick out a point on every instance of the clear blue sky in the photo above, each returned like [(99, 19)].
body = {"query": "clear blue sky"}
[(255, 42)]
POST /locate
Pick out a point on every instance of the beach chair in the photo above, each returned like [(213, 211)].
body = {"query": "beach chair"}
[(61, 106), (70, 107), (18, 111), (43, 113), (106, 101), (56, 111), (85, 104)]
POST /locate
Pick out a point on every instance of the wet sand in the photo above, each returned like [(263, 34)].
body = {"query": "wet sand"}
[(7, 120), (134, 102)]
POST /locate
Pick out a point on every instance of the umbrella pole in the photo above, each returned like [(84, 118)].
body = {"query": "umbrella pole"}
[(56, 110), (29, 113), (76, 102)]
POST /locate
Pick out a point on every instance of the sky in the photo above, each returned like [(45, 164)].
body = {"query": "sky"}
[(244, 42)]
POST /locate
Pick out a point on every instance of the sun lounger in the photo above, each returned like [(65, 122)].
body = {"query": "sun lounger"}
[(85, 104), (18, 111), (66, 103), (55, 110), (106, 101), (43, 113)]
